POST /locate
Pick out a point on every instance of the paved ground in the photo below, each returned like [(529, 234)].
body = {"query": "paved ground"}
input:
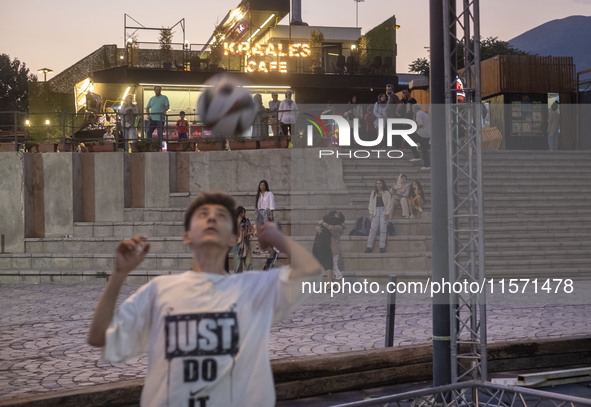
[(43, 330)]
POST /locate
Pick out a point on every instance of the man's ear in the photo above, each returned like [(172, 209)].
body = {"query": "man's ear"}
[(186, 239)]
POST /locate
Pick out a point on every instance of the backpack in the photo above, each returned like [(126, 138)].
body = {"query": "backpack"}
[(362, 226), (392, 229)]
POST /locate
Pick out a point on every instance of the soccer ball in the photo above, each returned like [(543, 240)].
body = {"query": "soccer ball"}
[(226, 108)]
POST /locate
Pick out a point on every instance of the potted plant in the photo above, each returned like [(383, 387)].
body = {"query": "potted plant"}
[(316, 40), (102, 147), (184, 145), (7, 147), (46, 147), (208, 144), (243, 144), (268, 143), (215, 56), (145, 146)]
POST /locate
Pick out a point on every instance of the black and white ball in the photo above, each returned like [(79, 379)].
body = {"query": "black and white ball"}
[(226, 108)]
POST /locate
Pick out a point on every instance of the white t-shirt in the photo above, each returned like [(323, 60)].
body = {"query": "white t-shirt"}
[(424, 120), (206, 335), (266, 201), (288, 111)]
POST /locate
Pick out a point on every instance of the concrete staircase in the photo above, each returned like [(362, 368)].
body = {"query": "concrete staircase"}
[(537, 223)]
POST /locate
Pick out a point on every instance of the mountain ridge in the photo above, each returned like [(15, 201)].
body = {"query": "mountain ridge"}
[(567, 36)]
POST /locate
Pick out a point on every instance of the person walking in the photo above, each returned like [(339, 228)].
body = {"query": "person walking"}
[(379, 213), (423, 134), (553, 127)]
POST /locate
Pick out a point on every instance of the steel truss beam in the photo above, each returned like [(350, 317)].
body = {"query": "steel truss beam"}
[(461, 25)]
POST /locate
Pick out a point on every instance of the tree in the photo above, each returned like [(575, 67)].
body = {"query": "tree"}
[(165, 40), (316, 39), (14, 87), (420, 65), (489, 47), (492, 46)]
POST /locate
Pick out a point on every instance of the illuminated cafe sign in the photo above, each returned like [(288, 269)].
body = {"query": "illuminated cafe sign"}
[(254, 64)]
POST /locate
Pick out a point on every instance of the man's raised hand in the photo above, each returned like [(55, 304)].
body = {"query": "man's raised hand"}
[(129, 254), (270, 236)]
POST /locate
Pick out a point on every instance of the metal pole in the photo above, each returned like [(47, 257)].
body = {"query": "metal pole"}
[(391, 316), (15, 134), (441, 317)]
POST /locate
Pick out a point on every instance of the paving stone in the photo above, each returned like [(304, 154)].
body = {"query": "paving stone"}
[(43, 337)]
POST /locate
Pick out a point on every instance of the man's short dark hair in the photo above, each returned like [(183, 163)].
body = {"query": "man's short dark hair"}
[(182, 112), (212, 198)]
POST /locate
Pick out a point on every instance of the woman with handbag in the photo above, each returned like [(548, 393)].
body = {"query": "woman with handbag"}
[(379, 213)]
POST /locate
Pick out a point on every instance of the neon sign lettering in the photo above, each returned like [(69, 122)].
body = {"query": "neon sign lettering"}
[(297, 50)]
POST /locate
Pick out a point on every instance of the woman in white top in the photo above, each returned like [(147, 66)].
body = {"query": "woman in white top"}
[(264, 207), (379, 213)]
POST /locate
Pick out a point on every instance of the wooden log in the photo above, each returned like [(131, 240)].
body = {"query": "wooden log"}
[(315, 375), (305, 367)]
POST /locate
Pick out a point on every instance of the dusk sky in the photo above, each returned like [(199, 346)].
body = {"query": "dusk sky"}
[(58, 34)]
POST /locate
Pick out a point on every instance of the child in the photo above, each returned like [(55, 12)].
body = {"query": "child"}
[(334, 222), (416, 198), (182, 127)]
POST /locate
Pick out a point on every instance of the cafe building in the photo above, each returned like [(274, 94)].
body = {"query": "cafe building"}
[(317, 64)]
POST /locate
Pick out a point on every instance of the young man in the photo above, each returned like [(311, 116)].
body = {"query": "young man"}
[(206, 332)]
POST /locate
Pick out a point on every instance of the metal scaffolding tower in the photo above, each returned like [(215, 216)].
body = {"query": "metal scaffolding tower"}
[(463, 111)]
